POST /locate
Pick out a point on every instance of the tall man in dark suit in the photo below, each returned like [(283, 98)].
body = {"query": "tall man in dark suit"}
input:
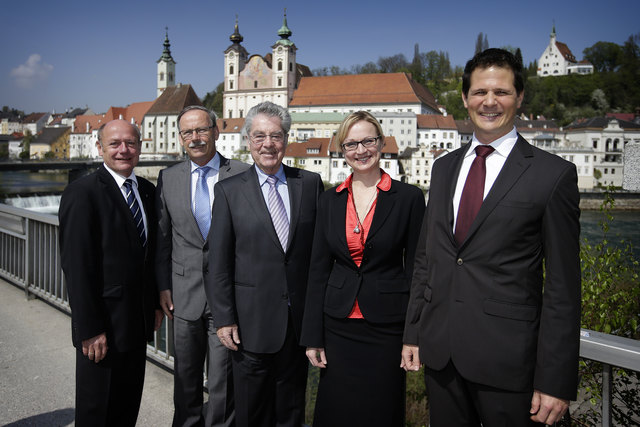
[(107, 232), (185, 196), (498, 335), (259, 249)]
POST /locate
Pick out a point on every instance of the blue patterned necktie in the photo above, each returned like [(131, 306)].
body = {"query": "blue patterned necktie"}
[(278, 212), (202, 209), (134, 207)]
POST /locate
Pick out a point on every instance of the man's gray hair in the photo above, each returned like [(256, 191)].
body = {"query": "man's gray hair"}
[(268, 109), (211, 113)]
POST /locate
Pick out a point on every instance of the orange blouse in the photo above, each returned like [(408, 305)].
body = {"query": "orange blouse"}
[(356, 241)]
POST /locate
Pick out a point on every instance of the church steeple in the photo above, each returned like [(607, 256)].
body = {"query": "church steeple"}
[(166, 53), (166, 75), (236, 37), (284, 32)]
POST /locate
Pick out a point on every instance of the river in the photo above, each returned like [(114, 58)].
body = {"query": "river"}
[(40, 191)]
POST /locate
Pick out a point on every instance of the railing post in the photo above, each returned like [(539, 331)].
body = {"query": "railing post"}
[(607, 392), (27, 257)]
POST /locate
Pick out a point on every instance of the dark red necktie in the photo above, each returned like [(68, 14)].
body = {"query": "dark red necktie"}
[(472, 194)]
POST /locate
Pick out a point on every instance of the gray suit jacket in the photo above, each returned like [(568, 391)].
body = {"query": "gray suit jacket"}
[(179, 256)]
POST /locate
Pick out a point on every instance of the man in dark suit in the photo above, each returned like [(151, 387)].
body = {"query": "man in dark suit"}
[(107, 228), (259, 249), (498, 334), (179, 265)]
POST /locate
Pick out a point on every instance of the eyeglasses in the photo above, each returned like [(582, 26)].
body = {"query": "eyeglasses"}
[(259, 138), (188, 134), (366, 143)]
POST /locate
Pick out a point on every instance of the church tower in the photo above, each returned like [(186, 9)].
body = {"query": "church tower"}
[(166, 67), (284, 61), (235, 58)]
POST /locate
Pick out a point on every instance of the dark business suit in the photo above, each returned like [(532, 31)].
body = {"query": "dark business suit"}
[(179, 264), (111, 286), (372, 391), (252, 282), (481, 305)]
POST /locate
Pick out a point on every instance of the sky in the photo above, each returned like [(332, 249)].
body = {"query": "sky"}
[(62, 55)]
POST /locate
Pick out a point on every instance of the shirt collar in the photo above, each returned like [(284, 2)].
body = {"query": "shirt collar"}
[(262, 177), (502, 145), (214, 163), (119, 178), (384, 184)]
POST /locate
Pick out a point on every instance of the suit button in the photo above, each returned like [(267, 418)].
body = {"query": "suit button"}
[(285, 295), (369, 245), (459, 262), (205, 271)]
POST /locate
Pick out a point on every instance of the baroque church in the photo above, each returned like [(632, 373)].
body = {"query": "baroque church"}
[(250, 80)]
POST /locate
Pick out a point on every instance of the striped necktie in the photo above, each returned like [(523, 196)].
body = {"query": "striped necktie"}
[(134, 207), (278, 212)]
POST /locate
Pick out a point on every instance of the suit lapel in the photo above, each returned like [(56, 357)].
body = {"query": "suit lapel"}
[(386, 200), (454, 170), (294, 186), (110, 188), (255, 199), (182, 191), (515, 165), (225, 168)]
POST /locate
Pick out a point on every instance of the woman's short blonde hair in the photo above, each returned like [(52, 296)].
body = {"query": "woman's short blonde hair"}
[(353, 118)]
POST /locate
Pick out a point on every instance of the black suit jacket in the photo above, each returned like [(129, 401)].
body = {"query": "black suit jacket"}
[(382, 281), (109, 274), (250, 280), (482, 304)]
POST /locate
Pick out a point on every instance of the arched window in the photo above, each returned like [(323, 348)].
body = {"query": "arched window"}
[(230, 69), (161, 77), (291, 69), (279, 65), (279, 81)]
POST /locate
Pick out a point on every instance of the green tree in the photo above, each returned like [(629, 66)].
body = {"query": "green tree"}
[(605, 56), (213, 100)]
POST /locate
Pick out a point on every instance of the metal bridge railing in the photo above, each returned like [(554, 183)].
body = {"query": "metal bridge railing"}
[(30, 258)]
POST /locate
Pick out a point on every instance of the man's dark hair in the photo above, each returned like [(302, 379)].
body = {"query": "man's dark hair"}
[(498, 57)]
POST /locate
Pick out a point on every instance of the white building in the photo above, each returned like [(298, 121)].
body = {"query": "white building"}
[(250, 80), (401, 125), (230, 142), (557, 60)]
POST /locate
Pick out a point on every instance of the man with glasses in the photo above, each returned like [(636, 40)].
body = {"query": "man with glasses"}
[(259, 249), (185, 196)]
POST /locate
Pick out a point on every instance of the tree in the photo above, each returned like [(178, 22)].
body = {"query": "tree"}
[(213, 100), (482, 43), (599, 100), (518, 56), (605, 56), (392, 64)]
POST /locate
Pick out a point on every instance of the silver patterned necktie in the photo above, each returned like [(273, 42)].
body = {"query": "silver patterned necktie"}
[(278, 212), (202, 209), (134, 207)]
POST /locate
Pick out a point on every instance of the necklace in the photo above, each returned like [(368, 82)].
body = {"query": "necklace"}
[(358, 227)]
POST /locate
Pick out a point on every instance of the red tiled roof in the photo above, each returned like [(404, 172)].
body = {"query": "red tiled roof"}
[(33, 117), (301, 149), (173, 99), (565, 51), (436, 121), (230, 125), (135, 111), (358, 89)]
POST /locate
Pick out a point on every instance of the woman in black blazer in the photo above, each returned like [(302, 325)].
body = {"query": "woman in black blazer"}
[(363, 251)]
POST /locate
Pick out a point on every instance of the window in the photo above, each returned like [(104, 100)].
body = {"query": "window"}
[(290, 66), (302, 161), (230, 69), (387, 165), (161, 134), (279, 65), (613, 171), (279, 81), (230, 84), (255, 84), (161, 77), (586, 159)]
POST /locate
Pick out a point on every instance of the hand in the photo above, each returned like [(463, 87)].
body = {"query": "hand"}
[(410, 358), (95, 348), (158, 320), (166, 303), (547, 409), (229, 337), (317, 357)]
